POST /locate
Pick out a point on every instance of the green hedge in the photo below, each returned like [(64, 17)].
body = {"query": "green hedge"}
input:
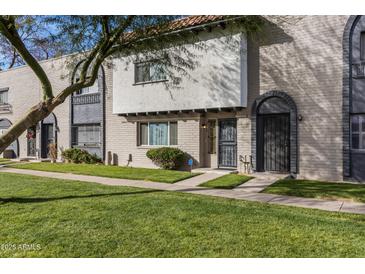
[(166, 157), (77, 156)]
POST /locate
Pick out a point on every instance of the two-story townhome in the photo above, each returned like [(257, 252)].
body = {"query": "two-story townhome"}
[(78, 122), (291, 98)]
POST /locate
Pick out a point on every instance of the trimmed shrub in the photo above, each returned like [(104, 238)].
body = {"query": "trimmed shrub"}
[(166, 157), (77, 156)]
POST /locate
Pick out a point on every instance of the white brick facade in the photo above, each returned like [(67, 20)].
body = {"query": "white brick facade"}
[(25, 92), (307, 64), (302, 58)]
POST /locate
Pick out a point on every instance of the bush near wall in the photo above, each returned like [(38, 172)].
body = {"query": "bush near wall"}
[(78, 156), (166, 157)]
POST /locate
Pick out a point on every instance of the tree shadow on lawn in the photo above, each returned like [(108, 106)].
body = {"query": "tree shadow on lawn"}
[(24, 200)]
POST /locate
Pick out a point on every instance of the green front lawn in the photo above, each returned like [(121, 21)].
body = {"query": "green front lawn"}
[(77, 219), (317, 189), (228, 181), (5, 161), (148, 174)]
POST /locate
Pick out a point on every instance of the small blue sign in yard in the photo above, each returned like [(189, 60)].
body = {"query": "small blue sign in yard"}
[(190, 164)]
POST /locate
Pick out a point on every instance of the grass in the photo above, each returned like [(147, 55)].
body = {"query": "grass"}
[(5, 161), (228, 181), (77, 219), (318, 189), (148, 174)]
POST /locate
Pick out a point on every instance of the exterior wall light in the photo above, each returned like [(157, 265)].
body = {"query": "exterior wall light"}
[(300, 117)]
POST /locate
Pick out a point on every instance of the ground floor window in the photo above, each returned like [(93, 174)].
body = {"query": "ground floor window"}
[(3, 96), (358, 132), (158, 134), (86, 135)]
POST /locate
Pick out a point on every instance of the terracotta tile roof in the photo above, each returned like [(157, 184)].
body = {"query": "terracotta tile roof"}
[(179, 24), (194, 20)]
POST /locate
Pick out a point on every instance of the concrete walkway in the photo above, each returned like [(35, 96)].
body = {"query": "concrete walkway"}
[(197, 180), (335, 206), (260, 182)]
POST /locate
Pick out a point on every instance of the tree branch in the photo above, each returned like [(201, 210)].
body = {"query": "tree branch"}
[(13, 59), (105, 25), (96, 56), (101, 49), (8, 29)]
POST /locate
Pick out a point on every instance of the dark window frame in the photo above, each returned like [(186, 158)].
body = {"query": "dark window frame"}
[(362, 46), (74, 136), (360, 133), (149, 78)]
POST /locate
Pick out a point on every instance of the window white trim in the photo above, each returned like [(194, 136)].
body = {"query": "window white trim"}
[(94, 88), (4, 95), (139, 131)]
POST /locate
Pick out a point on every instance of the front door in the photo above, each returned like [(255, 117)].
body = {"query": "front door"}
[(274, 142), (31, 141), (47, 138), (227, 148)]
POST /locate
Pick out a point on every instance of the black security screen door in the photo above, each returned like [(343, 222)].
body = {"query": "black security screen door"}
[(274, 142), (227, 154)]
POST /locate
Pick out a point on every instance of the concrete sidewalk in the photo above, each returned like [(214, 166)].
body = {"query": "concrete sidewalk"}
[(260, 181), (336, 206), (197, 180)]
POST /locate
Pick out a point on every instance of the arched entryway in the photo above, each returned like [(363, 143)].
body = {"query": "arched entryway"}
[(274, 133), (48, 134), (14, 146), (354, 99), (88, 116)]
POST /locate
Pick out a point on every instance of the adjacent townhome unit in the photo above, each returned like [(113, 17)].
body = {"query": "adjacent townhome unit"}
[(78, 122), (289, 98)]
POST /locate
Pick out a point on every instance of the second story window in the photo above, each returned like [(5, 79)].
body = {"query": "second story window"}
[(4, 96), (88, 90), (151, 71), (362, 46)]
